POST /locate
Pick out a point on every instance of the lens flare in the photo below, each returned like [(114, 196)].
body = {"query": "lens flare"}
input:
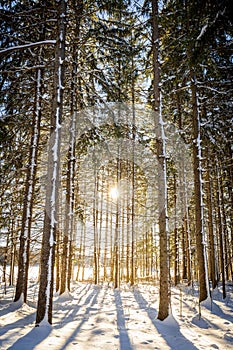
[(114, 193)]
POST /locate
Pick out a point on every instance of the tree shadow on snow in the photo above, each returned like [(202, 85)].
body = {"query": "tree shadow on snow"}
[(38, 334), (123, 334), (202, 322), (92, 298), (170, 331), (22, 322), (31, 339), (216, 310)]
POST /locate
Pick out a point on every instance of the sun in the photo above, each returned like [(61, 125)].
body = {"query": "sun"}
[(114, 193)]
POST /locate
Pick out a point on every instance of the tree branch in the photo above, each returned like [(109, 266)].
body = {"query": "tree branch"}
[(26, 46)]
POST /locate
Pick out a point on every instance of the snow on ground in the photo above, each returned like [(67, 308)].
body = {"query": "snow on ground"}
[(100, 318)]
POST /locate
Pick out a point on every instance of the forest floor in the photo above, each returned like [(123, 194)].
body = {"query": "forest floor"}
[(100, 318)]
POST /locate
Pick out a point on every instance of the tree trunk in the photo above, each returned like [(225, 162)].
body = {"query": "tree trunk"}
[(5, 258), (25, 235), (221, 234), (45, 297), (230, 195), (117, 226), (127, 232), (12, 252), (95, 227), (209, 199), (57, 260), (204, 291), (106, 231), (225, 231), (164, 294), (176, 237)]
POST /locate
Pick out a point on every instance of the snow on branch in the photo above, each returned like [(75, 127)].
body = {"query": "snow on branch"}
[(203, 30), (26, 46)]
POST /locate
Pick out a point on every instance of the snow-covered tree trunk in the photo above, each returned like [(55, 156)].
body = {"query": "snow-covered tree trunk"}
[(95, 229), (117, 228), (45, 298), (106, 231), (164, 292), (24, 249), (227, 256), (67, 254), (212, 240), (134, 177), (220, 232), (204, 292), (128, 228), (187, 232), (176, 236)]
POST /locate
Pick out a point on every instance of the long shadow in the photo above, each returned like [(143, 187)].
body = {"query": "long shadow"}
[(10, 307), (91, 298), (125, 343), (170, 332), (38, 334), (75, 311), (104, 295), (29, 319), (215, 310), (70, 307), (31, 339)]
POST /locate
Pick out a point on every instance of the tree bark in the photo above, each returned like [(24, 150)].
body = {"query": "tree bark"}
[(210, 225), (25, 234), (45, 297), (221, 235), (204, 291), (176, 237), (164, 294)]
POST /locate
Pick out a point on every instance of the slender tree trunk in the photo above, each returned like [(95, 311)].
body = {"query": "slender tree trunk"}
[(204, 291), (230, 194), (69, 207), (111, 244), (211, 225), (70, 263), (84, 249), (24, 249), (69, 213), (128, 234), (176, 238), (106, 231), (80, 251), (57, 260), (133, 246), (122, 274), (12, 253), (45, 297), (100, 224), (164, 294), (221, 234), (95, 223), (184, 254), (117, 227), (5, 258), (225, 231)]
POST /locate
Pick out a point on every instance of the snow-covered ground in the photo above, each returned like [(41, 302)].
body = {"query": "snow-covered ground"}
[(98, 317)]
